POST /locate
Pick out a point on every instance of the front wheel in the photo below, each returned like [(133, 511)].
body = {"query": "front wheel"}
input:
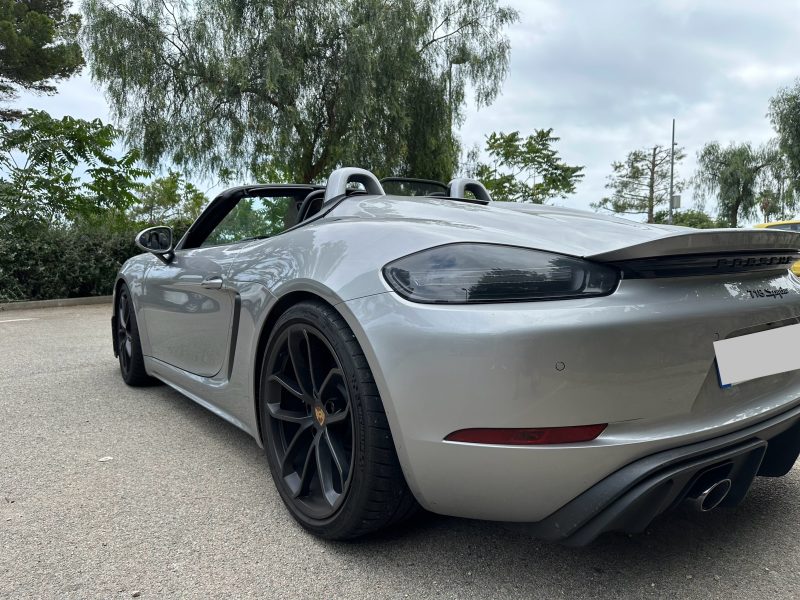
[(129, 347), (327, 439)]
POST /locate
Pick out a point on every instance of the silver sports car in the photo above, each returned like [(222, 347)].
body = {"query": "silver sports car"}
[(429, 347)]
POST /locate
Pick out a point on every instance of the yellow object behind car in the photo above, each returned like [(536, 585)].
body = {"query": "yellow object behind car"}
[(788, 226)]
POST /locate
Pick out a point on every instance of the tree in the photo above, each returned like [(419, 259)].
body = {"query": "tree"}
[(737, 175), (168, 200), (691, 217), (526, 169), (640, 183), (431, 150), (784, 114), (778, 195), (58, 169), (38, 46), (303, 86)]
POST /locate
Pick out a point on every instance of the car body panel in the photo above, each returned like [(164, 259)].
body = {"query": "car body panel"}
[(189, 325), (640, 359), (629, 359)]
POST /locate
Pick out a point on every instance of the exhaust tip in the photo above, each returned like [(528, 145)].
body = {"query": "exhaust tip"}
[(712, 497)]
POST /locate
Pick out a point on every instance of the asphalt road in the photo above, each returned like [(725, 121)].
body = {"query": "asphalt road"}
[(186, 508)]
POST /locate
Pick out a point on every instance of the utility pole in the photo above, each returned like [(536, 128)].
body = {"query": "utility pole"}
[(671, 169)]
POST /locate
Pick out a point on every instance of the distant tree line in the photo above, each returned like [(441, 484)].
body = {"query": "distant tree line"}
[(747, 182)]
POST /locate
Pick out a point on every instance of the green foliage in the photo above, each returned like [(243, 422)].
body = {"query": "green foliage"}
[(640, 183), (229, 86), (741, 177), (43, 260), (38, 46), (691, 217), (255, 217), (54, 169), (784, 114), (169, 200), (432, 150), (526, 169)]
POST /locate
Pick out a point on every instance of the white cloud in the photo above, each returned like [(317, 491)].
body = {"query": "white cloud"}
[(759, 74)]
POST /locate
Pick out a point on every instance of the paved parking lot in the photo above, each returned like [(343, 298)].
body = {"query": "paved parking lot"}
[(186, 508)]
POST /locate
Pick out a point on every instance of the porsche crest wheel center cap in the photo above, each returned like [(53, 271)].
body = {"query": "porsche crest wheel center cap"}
[(319, 415)]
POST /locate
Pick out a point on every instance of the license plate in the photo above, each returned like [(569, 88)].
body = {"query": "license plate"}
[(759, 354)]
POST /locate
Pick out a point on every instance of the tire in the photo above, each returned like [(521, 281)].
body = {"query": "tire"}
[(321, 414), (129, 347)]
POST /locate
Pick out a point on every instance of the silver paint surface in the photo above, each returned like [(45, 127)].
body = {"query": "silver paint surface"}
[(641, 359)]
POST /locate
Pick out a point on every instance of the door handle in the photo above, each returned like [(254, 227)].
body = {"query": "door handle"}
[(212, 283)]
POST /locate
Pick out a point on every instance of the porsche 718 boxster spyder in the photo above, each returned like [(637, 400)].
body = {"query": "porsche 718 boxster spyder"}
[(429, 347)]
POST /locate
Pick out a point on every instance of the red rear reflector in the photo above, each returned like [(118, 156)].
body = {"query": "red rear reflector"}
[(528, 437)]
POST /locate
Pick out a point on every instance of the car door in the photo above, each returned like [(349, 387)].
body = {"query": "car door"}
[(189, 304), (188, 309)]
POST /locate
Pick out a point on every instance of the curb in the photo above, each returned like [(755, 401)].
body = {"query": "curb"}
[(57, 303)]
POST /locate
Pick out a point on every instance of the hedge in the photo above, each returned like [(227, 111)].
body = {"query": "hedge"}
[(40, 262)]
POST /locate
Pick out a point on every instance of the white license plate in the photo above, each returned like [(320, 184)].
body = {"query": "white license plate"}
[(759, 354)]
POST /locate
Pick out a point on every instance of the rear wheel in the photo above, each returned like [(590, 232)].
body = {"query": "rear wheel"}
[(129, 348), (327, 438)]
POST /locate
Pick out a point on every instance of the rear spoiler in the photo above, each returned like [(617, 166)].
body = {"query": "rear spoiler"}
[(707, 242)]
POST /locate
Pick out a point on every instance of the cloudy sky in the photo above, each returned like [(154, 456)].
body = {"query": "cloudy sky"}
[(609, 76)]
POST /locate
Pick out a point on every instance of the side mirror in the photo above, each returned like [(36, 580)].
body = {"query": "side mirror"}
[(158, 241)]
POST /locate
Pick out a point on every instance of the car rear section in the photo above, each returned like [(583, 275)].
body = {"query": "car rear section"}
[(638, 363)]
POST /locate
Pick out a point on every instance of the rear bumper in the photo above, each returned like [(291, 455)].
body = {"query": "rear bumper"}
[(629, 499), (641, 360)]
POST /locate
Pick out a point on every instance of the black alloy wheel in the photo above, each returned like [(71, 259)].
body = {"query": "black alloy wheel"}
[(311, 421), (324, 428), (126, 339), (124, 333)]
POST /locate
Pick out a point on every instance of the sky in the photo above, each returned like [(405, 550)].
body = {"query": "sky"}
[(609, 76)]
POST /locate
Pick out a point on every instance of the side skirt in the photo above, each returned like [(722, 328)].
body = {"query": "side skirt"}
[(180, 381)]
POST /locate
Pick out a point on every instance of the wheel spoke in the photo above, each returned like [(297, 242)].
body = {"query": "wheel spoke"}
[(308, 471), (339, 416), (331, 374), (292, 448), (123, 317), (325, 479), (287, 386), (338, 456), (290, 416), (301, 369)]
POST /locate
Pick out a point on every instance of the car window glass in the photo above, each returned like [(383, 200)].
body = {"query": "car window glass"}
[(254, 218)]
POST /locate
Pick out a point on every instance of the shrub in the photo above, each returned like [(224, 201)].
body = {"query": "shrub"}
[(40, 261)]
